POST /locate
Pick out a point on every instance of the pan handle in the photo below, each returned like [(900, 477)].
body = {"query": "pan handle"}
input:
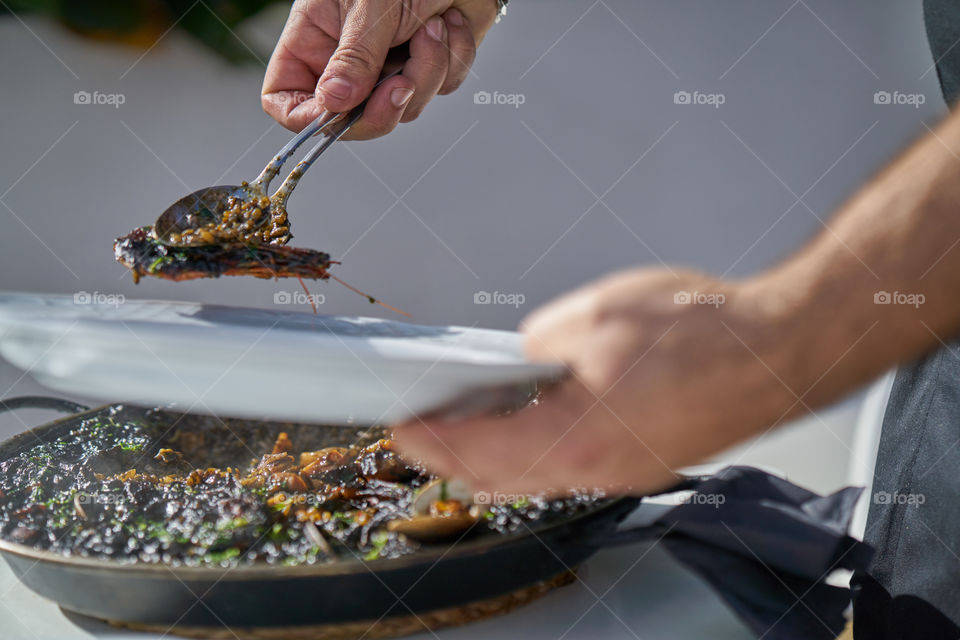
[(41, 402), (604, 538)]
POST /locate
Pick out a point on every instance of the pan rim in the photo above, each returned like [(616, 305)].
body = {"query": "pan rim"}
[(340, 567)]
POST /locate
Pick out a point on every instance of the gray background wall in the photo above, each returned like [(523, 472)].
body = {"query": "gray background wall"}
[(495, 198)]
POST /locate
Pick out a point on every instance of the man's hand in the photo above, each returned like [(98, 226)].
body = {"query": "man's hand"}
[(660, 382), (666, 369), (331, 53)]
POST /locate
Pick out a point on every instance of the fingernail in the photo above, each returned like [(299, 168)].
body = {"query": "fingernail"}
[(400, 97), (337, 88), (435, 28), (455, 17)]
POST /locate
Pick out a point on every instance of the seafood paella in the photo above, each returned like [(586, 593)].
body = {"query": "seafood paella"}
[(147, 491)]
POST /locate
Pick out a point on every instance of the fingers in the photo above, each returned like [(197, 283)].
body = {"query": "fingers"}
[(441, 53), (384, 109), (463, 50), (314, 67), (554, 332), (427, 66), (291, 76), (486, 452), (355, 66), (537, 448), (292, 109)]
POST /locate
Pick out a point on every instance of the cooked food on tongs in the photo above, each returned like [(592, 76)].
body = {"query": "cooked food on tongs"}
[(238, 230), (144, 255)]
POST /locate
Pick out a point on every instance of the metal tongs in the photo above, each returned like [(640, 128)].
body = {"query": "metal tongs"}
[(198, 208)]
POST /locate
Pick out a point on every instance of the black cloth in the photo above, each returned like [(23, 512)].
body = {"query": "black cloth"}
[(764, 544), (911, 588)]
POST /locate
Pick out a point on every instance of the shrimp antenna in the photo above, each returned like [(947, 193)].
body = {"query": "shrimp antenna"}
[(370, 297), (309, 296)]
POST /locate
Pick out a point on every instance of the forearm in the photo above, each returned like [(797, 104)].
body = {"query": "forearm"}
[(897, 235)]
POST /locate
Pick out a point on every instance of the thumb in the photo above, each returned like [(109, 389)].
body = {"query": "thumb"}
[(353, 69)]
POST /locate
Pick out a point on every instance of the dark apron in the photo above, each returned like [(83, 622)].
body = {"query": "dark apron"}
[(912, 587)]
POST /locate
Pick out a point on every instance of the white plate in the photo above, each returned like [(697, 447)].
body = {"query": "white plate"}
[(254, 362)]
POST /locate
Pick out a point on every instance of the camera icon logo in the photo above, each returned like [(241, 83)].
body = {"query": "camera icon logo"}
[(481, 497), (881, 97), (882, 297), (82, 297), (682, 297), (681, 97), (482, 97), (482, 297), (282, 297), (82, 97)]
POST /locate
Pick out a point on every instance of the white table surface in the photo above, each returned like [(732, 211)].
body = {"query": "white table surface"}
[(634, 592)]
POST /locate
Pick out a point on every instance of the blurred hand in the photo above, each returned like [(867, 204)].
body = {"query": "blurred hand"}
[(331, 53), (656, 383)]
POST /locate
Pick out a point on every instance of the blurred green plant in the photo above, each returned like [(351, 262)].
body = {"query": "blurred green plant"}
[(141, 22)]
